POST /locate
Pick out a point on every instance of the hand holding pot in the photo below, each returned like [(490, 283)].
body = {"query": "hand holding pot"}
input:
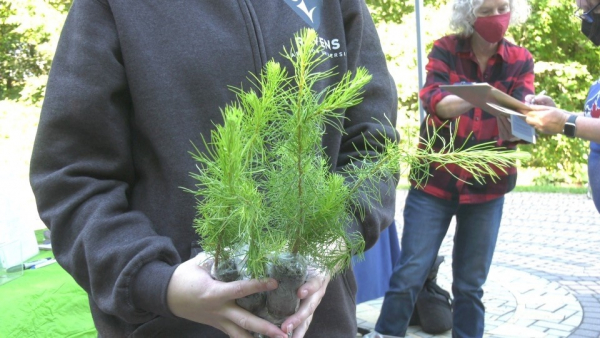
[(194, 295), (310, 295)]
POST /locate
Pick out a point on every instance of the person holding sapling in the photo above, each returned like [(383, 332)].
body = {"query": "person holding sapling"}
[(132, 83), (478, 52)]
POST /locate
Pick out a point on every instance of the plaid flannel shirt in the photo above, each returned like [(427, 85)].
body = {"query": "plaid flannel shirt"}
[(452, 60)]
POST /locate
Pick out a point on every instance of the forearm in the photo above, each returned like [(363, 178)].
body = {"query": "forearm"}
[(550, 120), (452, 106), (83, 173), (588, 129), (375, 208), (370, 124)]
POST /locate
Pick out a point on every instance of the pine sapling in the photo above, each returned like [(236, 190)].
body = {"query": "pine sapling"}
[(268, 204)]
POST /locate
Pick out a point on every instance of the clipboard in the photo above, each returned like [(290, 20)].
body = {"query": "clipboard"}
[(488, 98), (495, 102)]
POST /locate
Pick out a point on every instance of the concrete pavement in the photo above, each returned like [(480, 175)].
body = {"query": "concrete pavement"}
[(545, 276)]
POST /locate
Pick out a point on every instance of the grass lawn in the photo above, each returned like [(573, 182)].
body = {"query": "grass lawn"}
[(551, 189)]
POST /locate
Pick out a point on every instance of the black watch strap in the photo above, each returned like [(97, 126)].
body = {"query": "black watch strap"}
[(570, 127)]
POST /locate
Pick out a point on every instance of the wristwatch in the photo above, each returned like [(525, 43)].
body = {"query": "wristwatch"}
[(570, 128)]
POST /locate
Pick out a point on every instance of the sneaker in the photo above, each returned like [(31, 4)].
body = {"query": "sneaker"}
[(375, 334)]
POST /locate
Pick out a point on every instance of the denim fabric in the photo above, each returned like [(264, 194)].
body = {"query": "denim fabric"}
[(426, 221), (594, 172)]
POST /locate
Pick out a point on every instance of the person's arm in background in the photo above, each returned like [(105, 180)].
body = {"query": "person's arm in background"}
[(548, 119), (522, 87), (82, 174), (523, 84), (440, 104), (588, 128), (452, 106)]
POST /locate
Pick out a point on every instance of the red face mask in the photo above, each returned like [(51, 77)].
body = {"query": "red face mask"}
[(492, 28)]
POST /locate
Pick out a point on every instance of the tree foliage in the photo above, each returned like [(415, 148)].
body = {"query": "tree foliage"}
[(19, 58), (29, 30), (264, 182), (396, 10), (62, 6)]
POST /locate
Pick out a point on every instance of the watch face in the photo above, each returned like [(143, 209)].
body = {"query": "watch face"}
[(569, 129), (570, 126)]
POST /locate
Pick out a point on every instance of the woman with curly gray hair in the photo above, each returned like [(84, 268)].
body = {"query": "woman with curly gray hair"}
[(464, 14), (478, 52)]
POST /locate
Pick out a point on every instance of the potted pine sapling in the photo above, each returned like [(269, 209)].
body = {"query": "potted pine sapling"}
[(268, 204)]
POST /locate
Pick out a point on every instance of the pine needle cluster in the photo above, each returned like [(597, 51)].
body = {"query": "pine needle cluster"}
[(482, 161)]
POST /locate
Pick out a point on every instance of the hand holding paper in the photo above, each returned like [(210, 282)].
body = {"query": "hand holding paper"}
[(495, 102)]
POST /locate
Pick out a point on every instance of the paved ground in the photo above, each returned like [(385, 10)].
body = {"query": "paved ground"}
[(545, 277)]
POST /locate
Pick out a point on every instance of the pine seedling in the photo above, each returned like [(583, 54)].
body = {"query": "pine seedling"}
[(267, 201), (265, 187)]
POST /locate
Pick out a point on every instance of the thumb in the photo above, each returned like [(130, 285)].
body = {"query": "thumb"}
[(243, 288), (532, 118)]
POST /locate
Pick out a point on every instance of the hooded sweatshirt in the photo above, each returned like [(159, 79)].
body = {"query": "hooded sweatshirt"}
[(131, 84)]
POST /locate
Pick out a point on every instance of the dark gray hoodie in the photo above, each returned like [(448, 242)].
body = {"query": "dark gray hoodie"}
[(132, 83)]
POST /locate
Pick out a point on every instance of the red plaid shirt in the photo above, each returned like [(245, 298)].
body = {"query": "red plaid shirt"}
[(450, 61)]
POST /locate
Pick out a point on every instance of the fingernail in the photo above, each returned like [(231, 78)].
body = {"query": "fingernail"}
[(290, 328), (303, 293), (271, 284)]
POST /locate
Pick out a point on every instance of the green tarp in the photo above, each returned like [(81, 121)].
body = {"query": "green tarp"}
[(45, 302)]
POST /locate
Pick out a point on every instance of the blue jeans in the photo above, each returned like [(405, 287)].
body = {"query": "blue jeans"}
[(426, 221), (594, 173)]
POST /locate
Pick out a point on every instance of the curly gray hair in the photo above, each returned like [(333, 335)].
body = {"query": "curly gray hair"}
[(463, 14)]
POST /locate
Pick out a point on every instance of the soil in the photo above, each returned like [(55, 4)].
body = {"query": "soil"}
[(226, 271), (291, 272), (253, 303), (277, 305)]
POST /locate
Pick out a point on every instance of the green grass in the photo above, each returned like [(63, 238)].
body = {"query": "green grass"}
[(39, 235), (551, 189)]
